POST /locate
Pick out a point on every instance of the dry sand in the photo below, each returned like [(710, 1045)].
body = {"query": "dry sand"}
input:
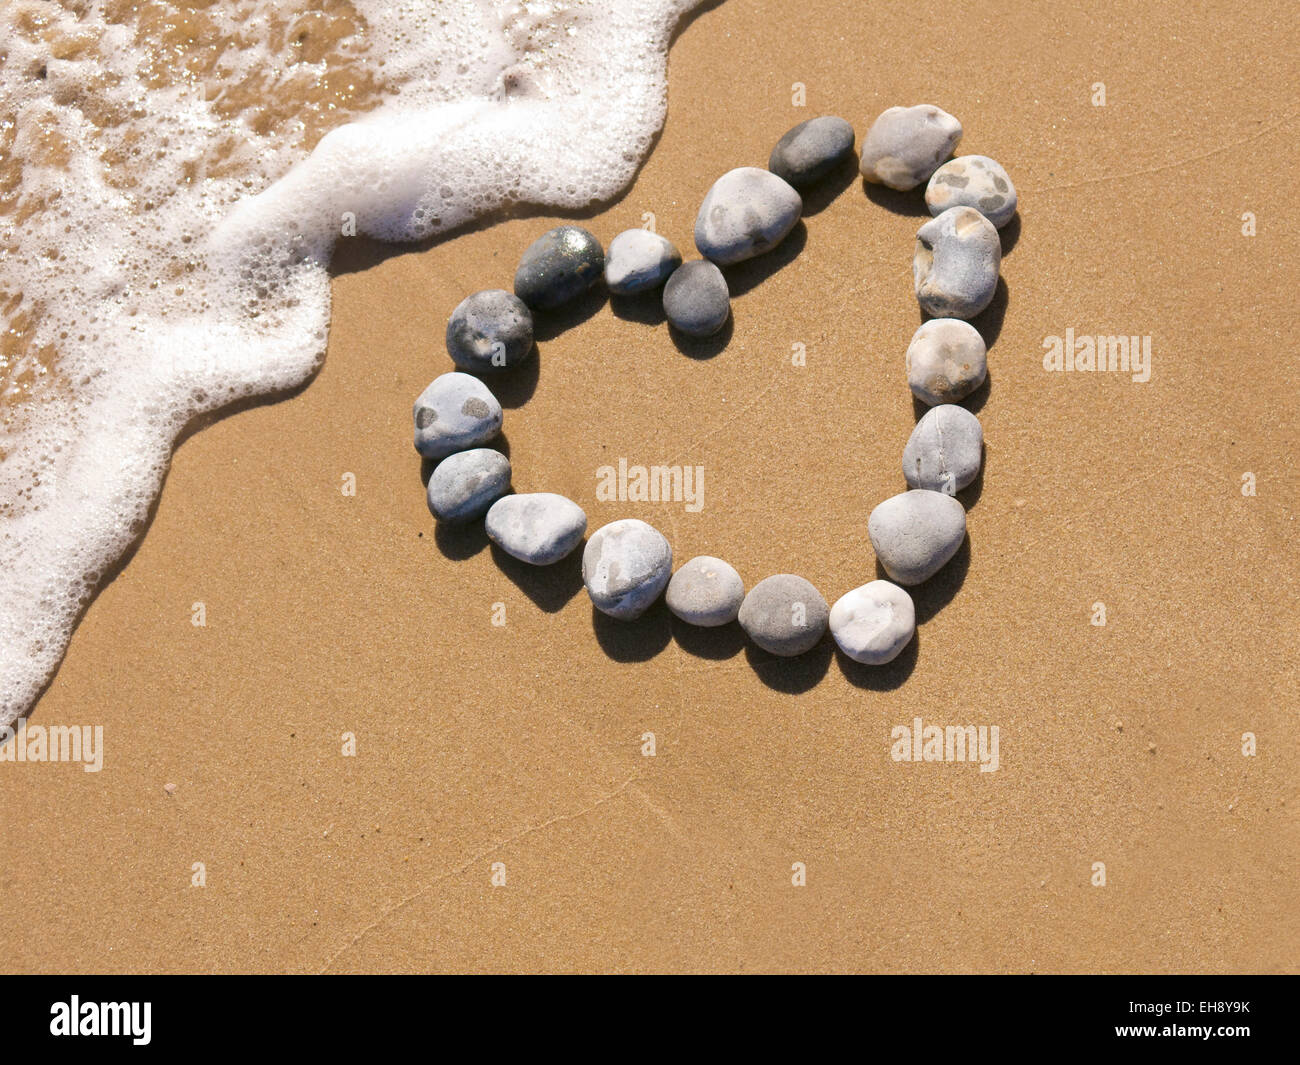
[(521, 744)]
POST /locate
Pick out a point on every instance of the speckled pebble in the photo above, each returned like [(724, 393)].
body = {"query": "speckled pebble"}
[(973, 181), (946, 361), (784, 615), (638, 261), (811, 150), (559, 266), (747, 211), (490, 330), (625, 566), (537, 527), (944, 451), (955, 267), (916, 533), (465, 484), (873, 624), (696, 300), (454, 413), (706, 591), (905, 145)]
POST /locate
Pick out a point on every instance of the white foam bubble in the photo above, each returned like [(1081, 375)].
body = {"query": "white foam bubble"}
[(165, 252)]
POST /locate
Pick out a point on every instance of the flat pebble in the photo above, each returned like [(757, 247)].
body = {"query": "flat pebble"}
[(625, 566), (905, 145), (638, 261), (955, 267), (916, 533), (785, 615), (811, 150), (873, 624), (559, 266), (946, 361), (706, 591), (454, 413), (944, 451), (537, 527), (747, 211), (465, 484), (696, 299), (490, 330), (973, 181)]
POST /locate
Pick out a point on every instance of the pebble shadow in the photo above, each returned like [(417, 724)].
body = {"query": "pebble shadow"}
[(884, 678), (939, 590), (549, 587), (547, 325), (970, 495), (790, 675), (910, 204), (703, 347), (823, 193), (973, 403), (515, 386), (646, 308), (746, 275), (633, 641), (459, 542), (717, 643), (1010, 234)]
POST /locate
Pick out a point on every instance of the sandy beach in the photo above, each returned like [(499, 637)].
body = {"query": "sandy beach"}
[(486, 751)]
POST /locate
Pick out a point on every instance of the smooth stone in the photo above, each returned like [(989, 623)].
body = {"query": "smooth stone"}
[(973, 181), (490, 330), (946, 361), (454, 413), (625, 566), (916, 533), (785, 615), (873, 624), (559, 266), (638, 261), (465, 484), (944, 451), (955, 267), (747, 211), (706, 591), (696, 299), (905, 145), (537, 527), (811, 150)]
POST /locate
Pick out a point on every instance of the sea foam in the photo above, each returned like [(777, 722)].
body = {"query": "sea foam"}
[(172, 183)]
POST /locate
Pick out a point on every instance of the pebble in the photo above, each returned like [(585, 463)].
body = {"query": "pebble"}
[(454, 413), (638, 261), (956, 263), (946, 361), (558, 266), (785, 615), (706, 591), (973, 181), (625, 566), (906, 144), (537, 527), (747, 211), (916, 533), (490, 330), (873, 624), (696, 299), (811, 150), (944, 451), (465, 484)]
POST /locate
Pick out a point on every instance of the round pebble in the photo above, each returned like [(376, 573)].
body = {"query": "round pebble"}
[(559, 266), (490, 330), (747, 211), (956, 263), (537, 527), (625, 566), (454, 413), (696, 299), (873, 624), (973, 181), (785, 615), (811, 150), (946, 361), (944, 451), (706, 591), (638, 261), (916, 533), (906, 144), (465, 484)]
